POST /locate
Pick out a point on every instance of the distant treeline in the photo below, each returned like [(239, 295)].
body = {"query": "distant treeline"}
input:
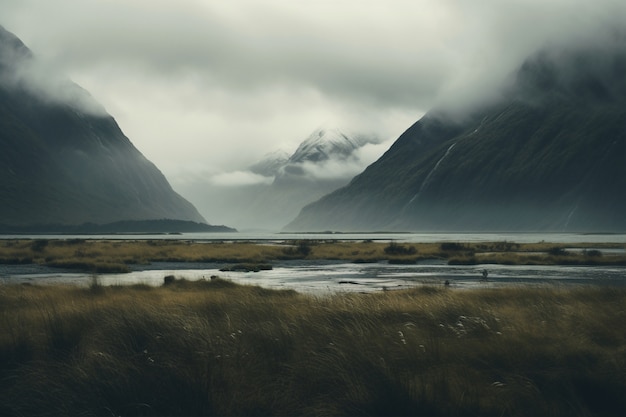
[(121, 227)]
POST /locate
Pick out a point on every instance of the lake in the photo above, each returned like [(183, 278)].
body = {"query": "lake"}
[(381, 236)]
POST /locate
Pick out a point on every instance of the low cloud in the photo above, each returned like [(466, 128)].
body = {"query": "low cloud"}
[(20, 70), (343, 168), (500, 36), (56, 89), (239, 179), (369, 153), (328, 170)]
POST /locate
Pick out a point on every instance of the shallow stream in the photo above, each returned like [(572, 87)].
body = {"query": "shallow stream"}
[(321, 277)]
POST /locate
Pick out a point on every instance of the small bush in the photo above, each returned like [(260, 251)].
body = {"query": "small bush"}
[(557, 251), (452, 246), (39, 245), (593, 253), (302, 249), (95, 287), (395, 249)]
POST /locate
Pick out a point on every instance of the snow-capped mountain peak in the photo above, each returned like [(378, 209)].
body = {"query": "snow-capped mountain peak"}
[(324, 144)]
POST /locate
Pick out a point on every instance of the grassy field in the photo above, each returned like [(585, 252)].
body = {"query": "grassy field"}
[(216, 348), (116, 255)]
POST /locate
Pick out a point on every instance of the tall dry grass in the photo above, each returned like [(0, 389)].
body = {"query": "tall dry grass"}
[(215, 348)]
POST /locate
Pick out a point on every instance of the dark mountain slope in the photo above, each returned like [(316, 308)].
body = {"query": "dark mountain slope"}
[(63, 160), (551, 156)]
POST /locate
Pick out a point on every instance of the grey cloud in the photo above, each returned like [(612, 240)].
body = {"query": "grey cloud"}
[(227, 81), (502, 35), (253, 48), (239, 179), (385, 53)]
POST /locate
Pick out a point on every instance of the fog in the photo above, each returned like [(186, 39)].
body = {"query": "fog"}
[(205, 89), (20, 70)]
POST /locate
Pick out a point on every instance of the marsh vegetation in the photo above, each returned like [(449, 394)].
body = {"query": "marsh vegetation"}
[(216, 348), (116, 255)]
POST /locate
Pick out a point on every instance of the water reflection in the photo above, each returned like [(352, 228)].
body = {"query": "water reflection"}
[(331, 277)]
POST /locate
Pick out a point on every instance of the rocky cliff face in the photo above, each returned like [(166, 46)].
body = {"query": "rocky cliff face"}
[(64, 160), (550, 156)]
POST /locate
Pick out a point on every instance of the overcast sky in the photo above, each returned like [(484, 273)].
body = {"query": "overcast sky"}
[(203, 87)]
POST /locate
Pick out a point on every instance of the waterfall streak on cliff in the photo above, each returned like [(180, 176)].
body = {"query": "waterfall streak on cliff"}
[(429, 176)]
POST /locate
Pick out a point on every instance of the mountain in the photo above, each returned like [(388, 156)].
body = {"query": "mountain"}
[(323, 162), (327, 143), (549, 156), (271, 164), (64, 160), (135, 227), (323, 147), (308, 174)]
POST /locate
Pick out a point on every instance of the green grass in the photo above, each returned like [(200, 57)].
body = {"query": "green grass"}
[(216, 348)]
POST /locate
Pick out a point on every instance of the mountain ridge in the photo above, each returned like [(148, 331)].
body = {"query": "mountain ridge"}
[(64, 160), (549, 156)]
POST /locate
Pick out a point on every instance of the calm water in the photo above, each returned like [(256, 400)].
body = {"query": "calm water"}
[(331, 277), (399, 237)]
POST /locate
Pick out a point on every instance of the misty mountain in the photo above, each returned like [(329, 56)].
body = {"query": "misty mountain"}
[(550, 155), (64, 160), (323, 162), (323, 147), (271, 164), (327, 143)]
